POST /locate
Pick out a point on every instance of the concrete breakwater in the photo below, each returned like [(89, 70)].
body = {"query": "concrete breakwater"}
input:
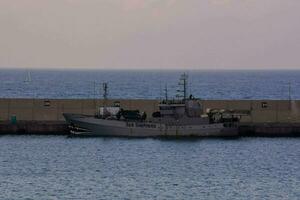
[(44, 116), (34, 127)]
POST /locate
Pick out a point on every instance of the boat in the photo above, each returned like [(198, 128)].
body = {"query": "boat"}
[(28, 77), (175, 118)]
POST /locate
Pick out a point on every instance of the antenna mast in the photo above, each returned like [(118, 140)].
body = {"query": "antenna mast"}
[(290, 95), (290, 91), (166, 93), (183, 82), (105, 94), (105, 90)]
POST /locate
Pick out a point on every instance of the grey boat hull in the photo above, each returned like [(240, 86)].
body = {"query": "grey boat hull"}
[(81, 125)]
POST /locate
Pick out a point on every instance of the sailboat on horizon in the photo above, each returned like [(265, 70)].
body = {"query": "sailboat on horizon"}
[(28, 77)]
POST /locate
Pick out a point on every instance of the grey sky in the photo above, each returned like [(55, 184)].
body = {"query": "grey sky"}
[(150, 34)]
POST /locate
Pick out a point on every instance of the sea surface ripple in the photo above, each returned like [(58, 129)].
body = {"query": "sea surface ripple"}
[(54, 167)]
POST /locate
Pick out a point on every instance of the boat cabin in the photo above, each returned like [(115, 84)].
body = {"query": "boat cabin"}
[(178, 109)]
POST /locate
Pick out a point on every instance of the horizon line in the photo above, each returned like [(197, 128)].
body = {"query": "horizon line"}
[(150, 69)]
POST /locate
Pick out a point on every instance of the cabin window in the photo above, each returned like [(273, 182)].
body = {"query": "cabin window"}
[(47, 103), (117, 103), (264, 105), (165, 108)]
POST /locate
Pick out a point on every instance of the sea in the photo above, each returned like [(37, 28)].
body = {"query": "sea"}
[(143, 84), (59, 167)]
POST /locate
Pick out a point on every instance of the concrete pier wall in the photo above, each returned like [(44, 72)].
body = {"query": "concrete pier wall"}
[(44, 116), (52, 109), (261, 111)]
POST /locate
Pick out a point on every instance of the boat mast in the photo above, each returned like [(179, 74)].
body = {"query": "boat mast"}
[(183, 82), (166, 92), (290, 90), (105, 94), (29, 76), (290, 95)]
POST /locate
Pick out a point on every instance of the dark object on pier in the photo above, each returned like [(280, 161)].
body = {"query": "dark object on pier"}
[(129, 114), (156, 114)]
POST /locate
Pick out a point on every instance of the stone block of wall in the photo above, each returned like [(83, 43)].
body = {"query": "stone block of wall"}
[(4, 109), (263, 116)]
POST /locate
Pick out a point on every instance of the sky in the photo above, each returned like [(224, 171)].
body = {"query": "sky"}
[(148, 34)]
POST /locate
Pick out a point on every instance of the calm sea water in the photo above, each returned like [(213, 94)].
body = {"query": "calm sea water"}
[(150, 84), (43, 167)]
